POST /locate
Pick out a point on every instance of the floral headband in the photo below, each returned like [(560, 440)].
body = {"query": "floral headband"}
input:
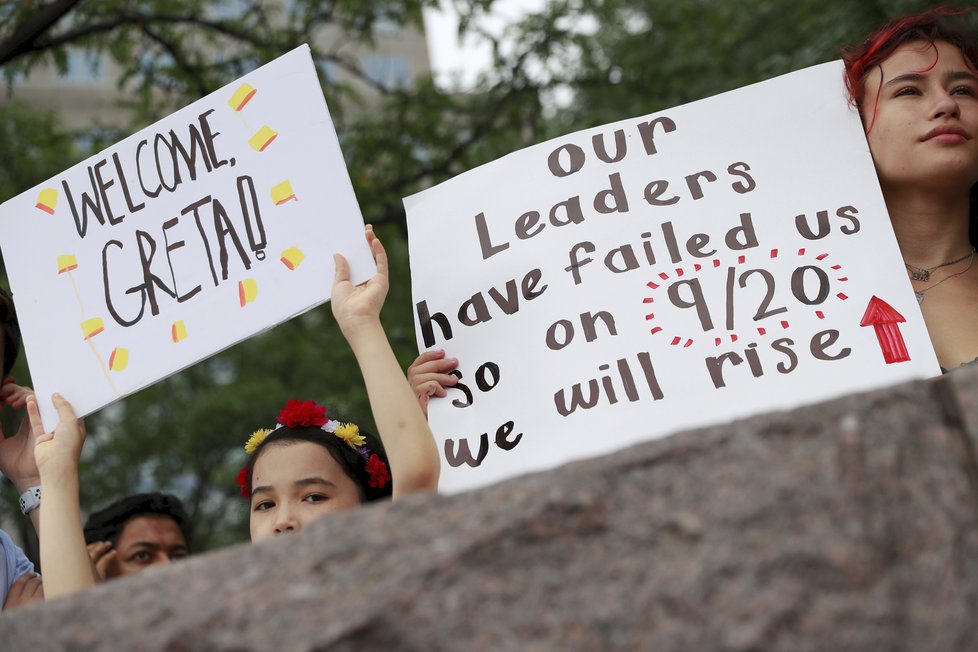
[(299, 414)]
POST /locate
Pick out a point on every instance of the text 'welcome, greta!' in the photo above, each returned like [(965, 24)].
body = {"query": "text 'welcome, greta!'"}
[(158, 166)]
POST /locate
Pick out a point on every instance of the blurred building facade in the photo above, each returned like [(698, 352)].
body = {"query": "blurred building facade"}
[(88, 93)]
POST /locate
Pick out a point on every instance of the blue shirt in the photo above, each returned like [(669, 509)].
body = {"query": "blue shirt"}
[(15, 563)]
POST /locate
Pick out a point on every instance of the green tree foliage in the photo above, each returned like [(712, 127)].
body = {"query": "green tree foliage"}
[(612, 59), (575, 64), (35, 147)]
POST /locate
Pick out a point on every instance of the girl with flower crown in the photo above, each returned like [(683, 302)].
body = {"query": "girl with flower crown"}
[(311, 465)]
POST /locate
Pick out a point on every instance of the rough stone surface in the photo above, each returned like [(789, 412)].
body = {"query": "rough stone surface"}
[(849, 525)]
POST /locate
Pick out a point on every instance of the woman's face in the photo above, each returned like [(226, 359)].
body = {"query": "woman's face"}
[(295, 483), (925, 128)]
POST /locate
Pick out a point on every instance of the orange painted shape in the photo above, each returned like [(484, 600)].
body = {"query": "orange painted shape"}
[(178, 331), (247, 291), (47, 200), (92, 327), (262, 138), (66, 263), (292, 257), (119, 359), (242, 96), (282, 193)]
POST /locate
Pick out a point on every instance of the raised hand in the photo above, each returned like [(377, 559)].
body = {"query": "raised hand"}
[(356, 305), (102, 555), (17, 451), (429, 376), (59, 450)]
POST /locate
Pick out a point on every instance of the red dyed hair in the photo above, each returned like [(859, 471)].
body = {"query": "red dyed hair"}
[(930, 27)]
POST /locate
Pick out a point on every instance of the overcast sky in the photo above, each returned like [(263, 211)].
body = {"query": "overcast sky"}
[(452, 59)]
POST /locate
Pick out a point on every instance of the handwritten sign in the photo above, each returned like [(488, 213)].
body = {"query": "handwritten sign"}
[(203, 229), (727, 257)]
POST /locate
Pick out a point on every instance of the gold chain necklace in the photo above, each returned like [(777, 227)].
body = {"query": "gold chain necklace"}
[(923, 273), (920, 293)]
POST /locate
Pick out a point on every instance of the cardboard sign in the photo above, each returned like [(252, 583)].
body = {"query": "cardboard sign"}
[(207, 227), (723, 258)]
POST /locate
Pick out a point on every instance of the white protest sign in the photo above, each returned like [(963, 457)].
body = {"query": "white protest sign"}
[(195, 233), (723, 258)]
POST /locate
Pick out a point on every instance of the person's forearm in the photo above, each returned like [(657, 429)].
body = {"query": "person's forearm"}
[(35, 516), (64, 558), (400, 421)]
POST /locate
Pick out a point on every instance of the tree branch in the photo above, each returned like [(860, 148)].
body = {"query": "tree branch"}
[(134, 19), (201, 87), (27, 33)]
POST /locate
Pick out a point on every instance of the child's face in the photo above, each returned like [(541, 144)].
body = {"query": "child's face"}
[(295, 483)]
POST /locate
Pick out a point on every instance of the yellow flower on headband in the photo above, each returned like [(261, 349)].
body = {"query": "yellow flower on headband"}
[(350, 433), (255, 440)]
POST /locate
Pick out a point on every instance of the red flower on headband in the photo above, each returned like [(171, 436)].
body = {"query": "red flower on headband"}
[(242, 481), (379, 476), (302, 413)]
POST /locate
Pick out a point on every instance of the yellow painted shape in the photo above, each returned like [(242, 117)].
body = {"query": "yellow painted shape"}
[(66, 263), (283, 193), (119, 359), (178, 331), (291, 257), (92, 327), (247, 291), (242, 96), (262, 138), (47, 200)]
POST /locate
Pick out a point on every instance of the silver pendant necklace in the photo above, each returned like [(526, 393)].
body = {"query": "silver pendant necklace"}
[(923, 273), (920, 293)]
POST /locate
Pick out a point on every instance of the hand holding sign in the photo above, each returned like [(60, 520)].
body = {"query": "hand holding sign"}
[(357, 306), (430, 374)]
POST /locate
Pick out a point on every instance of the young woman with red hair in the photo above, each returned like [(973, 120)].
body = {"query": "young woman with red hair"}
[(915, 83)]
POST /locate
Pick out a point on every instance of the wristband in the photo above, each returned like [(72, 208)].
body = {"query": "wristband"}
[(30, 500)]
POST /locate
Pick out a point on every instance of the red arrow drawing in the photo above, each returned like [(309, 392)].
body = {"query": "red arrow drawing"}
[(884, 319)]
